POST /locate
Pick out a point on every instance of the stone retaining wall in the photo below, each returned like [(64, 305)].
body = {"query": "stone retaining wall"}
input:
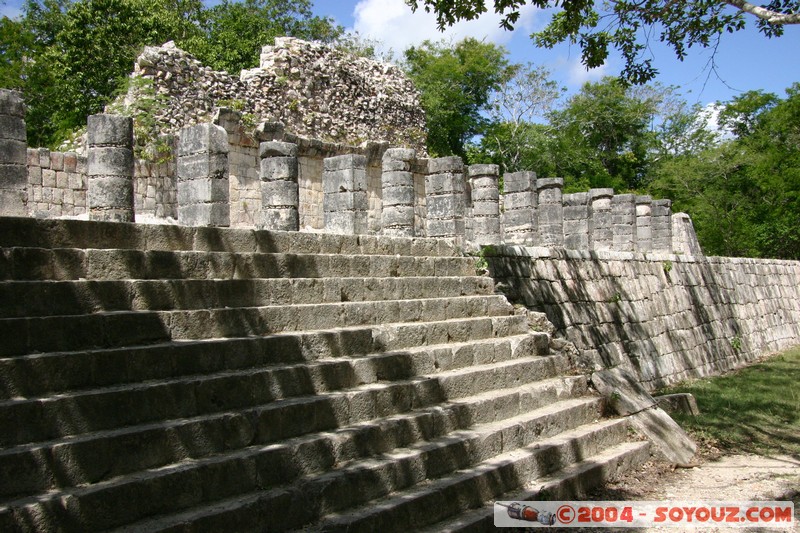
[(666, 317)]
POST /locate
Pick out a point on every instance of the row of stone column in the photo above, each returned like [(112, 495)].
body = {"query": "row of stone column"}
[(534, 210), (109, 162)]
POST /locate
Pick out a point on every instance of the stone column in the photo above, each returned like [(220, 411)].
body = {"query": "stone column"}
[(444, 192), (661, 225), (684, 238), (13, 155), (601, 235), (519, 208), (279, 191), (576, 221), (344, 182), (483, 180), (203, 180), (550, 212), (397, 213), (623, 208), (109, 168), (644, 233)]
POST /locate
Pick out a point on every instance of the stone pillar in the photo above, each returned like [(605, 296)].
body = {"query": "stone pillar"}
[(397, 213), (644, 233), (550, 212), (344, 182), (444, 195), (279, 191), (661, 225), (623, 208), (576, 221), (601, 235), (13, 155), (109, 168), (519, 208), (684, 238), (483, 180), (203, 179)]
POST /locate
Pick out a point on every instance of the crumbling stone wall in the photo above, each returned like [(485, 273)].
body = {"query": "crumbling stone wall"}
[(315, 90), (665, 317)]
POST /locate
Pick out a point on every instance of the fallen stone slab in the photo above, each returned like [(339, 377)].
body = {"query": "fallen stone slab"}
[(628, 398), (682, 402)]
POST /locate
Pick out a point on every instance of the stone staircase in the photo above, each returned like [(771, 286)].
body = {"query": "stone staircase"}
[(164, 378)]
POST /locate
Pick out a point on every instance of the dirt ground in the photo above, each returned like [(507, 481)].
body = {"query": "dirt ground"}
[(716, 477), (721, 478)]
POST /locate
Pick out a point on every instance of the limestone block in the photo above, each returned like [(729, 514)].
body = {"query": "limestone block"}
[(202, 138), (13, 127), (206, 214), (445, 207), (279, 168), (398, 195), (446, 165), (515, 182), (110, 161), (12, 103), (397, 178), (202, 166), (346, 201), (277, 149), (447, 183), (109, 130), (279, 194)]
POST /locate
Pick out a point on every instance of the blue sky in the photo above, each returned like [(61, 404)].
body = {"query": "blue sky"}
[(745, 60)]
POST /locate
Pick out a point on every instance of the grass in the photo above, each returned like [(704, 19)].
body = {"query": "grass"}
[(755, 409)]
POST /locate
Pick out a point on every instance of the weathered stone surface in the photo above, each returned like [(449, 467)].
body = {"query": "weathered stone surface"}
[(277, 149), (109, 130), (628, 398), (12, 103), (313, 90), (678, 403)]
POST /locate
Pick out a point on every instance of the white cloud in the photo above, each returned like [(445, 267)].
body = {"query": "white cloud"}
[(578, 74), (393, 23)]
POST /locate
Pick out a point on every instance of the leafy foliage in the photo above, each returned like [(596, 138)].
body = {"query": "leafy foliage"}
[(625, 25), (744, 194), (234, 32), (456, 82), (69, 57)]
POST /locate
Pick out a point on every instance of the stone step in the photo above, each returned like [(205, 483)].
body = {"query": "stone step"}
[(98, 456), (39, 374), (283, 509), (29, 264), (571, 483), (50, 298), (30, 232), (131, 328), (580, 458), (115, 407), (254, 469)]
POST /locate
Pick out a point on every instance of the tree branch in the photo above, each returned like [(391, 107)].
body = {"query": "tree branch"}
[(773, 17)]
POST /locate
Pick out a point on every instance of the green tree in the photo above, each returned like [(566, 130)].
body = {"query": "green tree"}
[(234, 32), (456, 82), (625, 25), (743, 193), (70, 58), (524, 98), (604, 135)]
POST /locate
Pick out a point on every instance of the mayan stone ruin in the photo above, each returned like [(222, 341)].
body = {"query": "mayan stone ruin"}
[(290, 318)]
